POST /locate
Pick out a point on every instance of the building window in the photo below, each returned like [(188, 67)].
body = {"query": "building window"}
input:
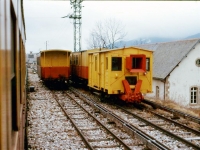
[(198, 62), (116, 63), (147, 64), (157, 91), (30, 56), (193, 91)]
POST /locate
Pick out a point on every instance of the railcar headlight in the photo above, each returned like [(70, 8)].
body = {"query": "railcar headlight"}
[(116, 76)]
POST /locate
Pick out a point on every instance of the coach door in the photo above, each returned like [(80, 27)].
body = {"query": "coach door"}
[(96, 73)]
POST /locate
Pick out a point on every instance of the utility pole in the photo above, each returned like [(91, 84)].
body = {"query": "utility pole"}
[(46, 45), (77, 23)]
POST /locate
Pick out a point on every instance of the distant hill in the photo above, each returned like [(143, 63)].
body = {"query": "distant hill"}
[(151, 40), (193, 36), (143, 41)]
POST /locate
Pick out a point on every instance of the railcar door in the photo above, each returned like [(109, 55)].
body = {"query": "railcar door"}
[(95, 71)]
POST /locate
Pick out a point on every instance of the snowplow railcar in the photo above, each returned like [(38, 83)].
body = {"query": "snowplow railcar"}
[(123, 72)]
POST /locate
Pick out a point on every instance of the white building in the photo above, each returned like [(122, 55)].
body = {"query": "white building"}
[(176, 71), (31, 58)]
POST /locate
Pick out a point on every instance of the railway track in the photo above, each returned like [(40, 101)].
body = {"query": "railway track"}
[(164, 131), (49, 128), (88, 123), (170, 127), (172, 111)]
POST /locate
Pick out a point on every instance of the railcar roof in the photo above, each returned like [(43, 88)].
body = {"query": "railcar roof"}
[(89, 50), (107, 50), (52, 50), (168, 55)]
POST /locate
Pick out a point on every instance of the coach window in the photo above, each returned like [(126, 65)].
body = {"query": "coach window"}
[(193, 91), (70, 60), (75, 60), (116, 63), (147, 64), (76, 63), (14, 112)]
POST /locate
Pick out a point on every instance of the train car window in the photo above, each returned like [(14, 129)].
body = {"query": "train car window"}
[(76, 63), (106, 63), (136, 63), (193, 99), (13, 69), (131, 80), (73, 60), (116, 63), (147, 64)]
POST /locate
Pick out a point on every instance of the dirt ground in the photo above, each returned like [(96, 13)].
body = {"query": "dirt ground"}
[(168, 103)]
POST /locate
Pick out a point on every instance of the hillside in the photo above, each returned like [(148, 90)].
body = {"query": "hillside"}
[(151, 40)]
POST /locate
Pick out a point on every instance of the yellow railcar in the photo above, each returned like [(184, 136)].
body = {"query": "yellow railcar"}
[(126, 72), (54, 65)]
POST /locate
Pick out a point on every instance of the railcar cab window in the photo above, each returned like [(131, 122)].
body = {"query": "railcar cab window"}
[(136, 63), (116, 63)]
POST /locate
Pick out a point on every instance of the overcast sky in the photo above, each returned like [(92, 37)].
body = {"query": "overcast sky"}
[(141, 19)]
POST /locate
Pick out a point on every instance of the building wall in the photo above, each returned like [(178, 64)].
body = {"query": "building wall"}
[(158, 90), (185, 76), (177, 86), (31, 58)]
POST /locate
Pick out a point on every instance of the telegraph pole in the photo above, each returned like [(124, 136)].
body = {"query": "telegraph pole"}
[(77, 23)]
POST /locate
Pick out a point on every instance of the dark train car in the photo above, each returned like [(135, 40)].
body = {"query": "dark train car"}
[(54, 65), (13, 75)]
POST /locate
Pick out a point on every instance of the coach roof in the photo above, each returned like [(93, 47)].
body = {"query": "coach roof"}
[(51, 50), (108, 50)]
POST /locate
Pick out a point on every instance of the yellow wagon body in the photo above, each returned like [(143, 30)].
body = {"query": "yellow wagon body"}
[(108, 68), (54, 64)]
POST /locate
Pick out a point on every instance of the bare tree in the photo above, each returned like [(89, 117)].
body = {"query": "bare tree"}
[(106, 34)]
